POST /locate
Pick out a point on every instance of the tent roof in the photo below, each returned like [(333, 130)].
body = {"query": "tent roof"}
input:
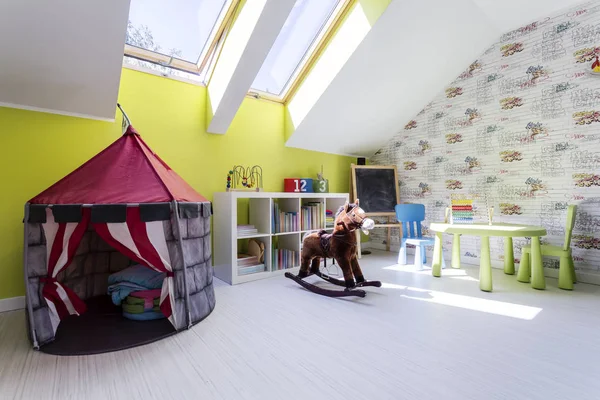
[(127, 171)]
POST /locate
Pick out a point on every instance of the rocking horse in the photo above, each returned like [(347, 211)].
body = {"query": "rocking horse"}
[(341, 246)]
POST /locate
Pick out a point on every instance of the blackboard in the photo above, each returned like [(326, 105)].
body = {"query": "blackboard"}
[(376, 187)]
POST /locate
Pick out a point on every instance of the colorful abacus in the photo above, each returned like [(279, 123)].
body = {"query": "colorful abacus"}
[(462, 211)]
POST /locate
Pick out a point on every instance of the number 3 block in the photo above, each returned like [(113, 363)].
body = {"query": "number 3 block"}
[(321, 186)]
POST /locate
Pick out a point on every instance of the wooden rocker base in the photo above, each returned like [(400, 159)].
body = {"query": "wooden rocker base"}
[(342, 283), (332, 293)]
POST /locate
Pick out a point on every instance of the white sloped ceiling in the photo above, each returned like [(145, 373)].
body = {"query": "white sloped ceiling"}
[(412, 52), (62, 56)]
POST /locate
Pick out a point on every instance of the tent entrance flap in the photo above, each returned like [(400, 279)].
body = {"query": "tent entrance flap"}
[(143, 242)]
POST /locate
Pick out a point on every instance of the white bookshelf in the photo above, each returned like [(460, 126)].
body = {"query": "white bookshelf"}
[(260, 214)]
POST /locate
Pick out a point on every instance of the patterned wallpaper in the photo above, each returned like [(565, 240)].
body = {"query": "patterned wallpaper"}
[(520, 129)]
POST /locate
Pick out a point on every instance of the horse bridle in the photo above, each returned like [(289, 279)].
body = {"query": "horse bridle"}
[(356, 224)]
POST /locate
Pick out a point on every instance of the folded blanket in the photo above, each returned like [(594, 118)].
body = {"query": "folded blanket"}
[(145, 316), (133, 279)]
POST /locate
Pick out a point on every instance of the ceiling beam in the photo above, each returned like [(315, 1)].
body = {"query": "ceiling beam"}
[(246, 47)]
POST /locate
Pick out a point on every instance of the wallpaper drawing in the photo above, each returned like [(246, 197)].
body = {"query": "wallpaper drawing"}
[(520, 127)]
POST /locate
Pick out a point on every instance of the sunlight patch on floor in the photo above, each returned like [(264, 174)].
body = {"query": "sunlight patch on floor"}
[(464, 278), (452, 273), (467, 302)]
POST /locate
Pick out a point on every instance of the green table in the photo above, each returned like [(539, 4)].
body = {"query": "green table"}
[(485, 230)]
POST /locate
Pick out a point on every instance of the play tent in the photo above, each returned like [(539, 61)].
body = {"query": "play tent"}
[(123, 206)]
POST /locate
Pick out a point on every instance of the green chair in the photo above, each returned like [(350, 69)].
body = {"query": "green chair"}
[(566, 272)]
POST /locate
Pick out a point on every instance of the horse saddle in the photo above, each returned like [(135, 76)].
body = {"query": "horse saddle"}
[(325, 240)]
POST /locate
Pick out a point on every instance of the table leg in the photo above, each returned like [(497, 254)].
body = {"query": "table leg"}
[(389, 235), (485, 266), (509, 256), (456, 251), (358, 246), (537, 268), (436, 263), (524, 274)]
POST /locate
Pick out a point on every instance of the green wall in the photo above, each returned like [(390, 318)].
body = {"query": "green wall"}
[(373, 9), (37, 149)]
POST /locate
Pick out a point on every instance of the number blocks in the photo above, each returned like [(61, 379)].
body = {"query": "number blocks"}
[(298, 185)]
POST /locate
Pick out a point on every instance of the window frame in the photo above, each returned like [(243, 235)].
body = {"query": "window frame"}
[(311, 55), (211, 52), (223, 20)]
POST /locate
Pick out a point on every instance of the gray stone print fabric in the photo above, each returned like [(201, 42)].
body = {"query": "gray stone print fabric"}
[(95, 260)]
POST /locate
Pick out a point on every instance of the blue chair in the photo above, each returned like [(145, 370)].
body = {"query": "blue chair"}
[(411, 215)]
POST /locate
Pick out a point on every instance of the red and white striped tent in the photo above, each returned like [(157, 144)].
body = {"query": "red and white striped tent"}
[(130, 199)]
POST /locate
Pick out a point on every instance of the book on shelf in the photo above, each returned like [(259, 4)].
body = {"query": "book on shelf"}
[(284, 221), (246, 230), (246, 260), (312, 216), (252, 269), (329, 219), (284, 259)]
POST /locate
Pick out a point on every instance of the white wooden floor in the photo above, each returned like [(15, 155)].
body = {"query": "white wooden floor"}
[(418, 337)]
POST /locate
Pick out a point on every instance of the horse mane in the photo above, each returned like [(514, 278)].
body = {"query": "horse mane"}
[(351, 205)]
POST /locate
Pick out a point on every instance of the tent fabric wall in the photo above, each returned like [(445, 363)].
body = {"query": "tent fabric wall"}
[(94, 260), (197, 258)]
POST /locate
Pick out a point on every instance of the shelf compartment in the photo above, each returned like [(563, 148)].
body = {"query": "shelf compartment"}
[(312, 214), (285, 215), (259, 210), (286, 252), (333, 205), (242, 268)]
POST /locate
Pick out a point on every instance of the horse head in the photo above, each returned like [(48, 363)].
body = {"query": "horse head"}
[(352, 217)]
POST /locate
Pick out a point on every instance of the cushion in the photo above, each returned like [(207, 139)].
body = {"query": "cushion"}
[(146, 297), (145, 316), (138, 308)]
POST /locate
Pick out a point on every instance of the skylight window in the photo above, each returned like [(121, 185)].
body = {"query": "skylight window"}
[(177, 33), (298, 38)]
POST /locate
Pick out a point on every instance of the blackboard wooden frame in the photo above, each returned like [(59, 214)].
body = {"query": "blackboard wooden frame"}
[(353, 187)]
